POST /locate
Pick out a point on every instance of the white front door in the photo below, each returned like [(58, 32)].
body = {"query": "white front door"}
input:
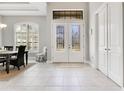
[(76, 42), (102, 28), (67, 44)]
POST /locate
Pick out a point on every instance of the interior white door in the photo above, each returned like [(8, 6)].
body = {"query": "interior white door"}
[(115, 52), (60, 42), (76, 41), (102, 42), (68, 41)]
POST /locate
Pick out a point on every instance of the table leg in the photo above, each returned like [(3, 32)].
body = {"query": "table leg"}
[(26, 58), (7, 63)]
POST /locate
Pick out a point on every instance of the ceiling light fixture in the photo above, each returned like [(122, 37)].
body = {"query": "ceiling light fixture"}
[(3, 26)]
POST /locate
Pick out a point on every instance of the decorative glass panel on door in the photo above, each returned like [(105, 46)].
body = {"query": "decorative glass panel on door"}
[(60, 37), (76, 37)]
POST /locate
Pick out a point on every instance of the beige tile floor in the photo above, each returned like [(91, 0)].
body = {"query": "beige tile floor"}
[(59, 77)]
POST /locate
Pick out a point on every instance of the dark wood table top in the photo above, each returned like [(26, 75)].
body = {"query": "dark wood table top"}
[(4, 52), (7, 54)]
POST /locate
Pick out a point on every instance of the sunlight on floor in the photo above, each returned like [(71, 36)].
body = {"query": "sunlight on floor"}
[(59, 76)]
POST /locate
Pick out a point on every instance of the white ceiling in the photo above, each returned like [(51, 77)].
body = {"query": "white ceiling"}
[(23, 8)]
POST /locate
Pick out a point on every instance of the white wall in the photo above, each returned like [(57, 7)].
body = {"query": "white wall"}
[(8, 34), (93, 6), (67, 5), (45, 25), (0, 32)]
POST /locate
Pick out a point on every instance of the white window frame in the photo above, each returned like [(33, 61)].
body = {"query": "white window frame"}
[(31, 23)]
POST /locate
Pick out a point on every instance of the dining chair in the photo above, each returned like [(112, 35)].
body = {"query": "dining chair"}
[(10, 48), (2, 60), (42, 57), (19, 60)]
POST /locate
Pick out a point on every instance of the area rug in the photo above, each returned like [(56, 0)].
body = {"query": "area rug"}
[(13, 72)]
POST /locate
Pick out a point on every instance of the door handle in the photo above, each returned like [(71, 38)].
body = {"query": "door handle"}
[(109, 49), (105, 48)]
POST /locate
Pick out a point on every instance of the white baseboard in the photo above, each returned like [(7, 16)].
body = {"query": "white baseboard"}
[(91, 64), (88, 62)]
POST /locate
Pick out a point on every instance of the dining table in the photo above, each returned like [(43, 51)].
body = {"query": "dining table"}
[(7, 54)]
